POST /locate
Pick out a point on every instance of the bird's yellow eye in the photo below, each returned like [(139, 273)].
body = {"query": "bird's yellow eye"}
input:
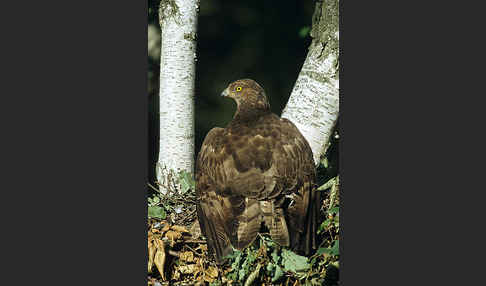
[(238, 88)]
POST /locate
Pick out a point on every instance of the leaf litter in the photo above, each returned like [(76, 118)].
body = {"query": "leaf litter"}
[(178, 253)]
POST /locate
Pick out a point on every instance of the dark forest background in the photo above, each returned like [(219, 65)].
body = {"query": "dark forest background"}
[(263, 40)]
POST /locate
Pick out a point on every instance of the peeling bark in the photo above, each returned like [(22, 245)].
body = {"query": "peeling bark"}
[(313, 105)]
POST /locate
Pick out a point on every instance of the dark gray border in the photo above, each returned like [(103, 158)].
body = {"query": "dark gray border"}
[(405, 212), (75, 164)]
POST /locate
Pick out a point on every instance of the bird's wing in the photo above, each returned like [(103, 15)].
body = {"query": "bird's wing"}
[(294, 166), (212, 207)]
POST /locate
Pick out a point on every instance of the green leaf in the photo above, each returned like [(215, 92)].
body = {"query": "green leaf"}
[(243, 271), (278, 274), (304, 31), (293, 262), (323, 250), (186, 181), (156, 212), (334, 210), (237, 255), (269, 242), (275, 256), (252, 256), (231, 276), (324, 225), (335, 248), (270, 267), (327, 185)]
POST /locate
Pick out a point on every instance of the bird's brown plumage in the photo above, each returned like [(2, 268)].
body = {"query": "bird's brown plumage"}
[(259, 169)]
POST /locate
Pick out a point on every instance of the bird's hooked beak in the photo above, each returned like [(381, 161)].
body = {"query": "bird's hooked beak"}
[(225, 92)]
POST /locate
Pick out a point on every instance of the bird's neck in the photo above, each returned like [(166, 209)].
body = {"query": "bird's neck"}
[(247, 114)]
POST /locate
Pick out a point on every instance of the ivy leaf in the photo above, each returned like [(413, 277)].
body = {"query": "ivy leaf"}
[(156, 212), (293, 262)]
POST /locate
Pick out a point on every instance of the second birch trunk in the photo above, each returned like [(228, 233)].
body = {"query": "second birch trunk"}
[(313, 105)]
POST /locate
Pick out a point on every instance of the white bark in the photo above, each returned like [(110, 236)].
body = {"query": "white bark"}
[(178, 21), (313, 105)]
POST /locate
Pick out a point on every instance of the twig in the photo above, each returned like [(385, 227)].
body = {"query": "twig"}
[(182, 283), (174, 253), (195, 241), (195, 252), (155, 189)]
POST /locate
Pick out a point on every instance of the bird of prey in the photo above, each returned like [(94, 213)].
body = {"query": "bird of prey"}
[(256, 173)]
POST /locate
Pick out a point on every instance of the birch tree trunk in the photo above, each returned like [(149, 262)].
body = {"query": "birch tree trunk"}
[(178, 21), (313, 105)]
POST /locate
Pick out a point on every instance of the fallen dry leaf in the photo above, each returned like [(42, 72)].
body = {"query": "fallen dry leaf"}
[(212, 271), (173, 235), (188, 269), (159, 258), (151, 252), (176, 276), (187, 256), (165, 228), (210, 274), (195, 229), (179, 228), (207, 278)]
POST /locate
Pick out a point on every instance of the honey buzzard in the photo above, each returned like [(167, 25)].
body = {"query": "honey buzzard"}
[(258, 171)]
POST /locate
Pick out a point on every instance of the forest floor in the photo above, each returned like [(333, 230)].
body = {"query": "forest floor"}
[(178, 253)]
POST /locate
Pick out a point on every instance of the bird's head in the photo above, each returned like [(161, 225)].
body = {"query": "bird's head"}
[(249, 96)]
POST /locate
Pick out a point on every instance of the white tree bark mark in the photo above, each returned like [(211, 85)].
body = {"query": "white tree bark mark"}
[(178, 21), (313, 105)]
